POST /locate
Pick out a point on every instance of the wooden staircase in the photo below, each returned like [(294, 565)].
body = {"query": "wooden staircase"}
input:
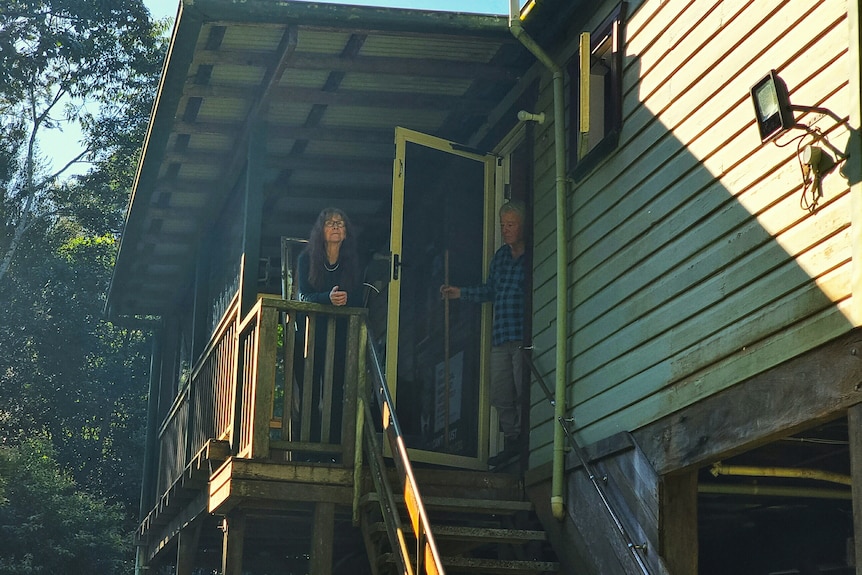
[(481, 523), (417, 520)]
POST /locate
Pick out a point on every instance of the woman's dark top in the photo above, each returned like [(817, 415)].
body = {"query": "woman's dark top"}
[(329, 279)]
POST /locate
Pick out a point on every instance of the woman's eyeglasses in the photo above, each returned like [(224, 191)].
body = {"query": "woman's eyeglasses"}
[(336, 224)]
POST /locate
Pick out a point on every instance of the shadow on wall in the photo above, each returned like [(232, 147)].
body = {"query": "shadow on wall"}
[(700, 258)]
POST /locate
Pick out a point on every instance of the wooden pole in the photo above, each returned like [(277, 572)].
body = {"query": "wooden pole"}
[(854, 432), (323, 538), (446, 347), (232, 545)]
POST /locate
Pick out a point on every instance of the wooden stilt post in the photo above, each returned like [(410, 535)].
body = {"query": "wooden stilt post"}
[(678, 523), (187, 547), (322, 538), (854, 432), (446, 348), (232, 546)]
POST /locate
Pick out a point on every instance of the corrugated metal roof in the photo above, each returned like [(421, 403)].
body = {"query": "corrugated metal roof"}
[(336, 80)]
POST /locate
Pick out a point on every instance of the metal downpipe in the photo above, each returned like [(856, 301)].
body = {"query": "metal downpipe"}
[(558, 477), (783, 472)]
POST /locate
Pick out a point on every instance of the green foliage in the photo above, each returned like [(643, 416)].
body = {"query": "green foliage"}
[(75, 377), (90, 63), (67, 375), (80, 47), (49, 525)]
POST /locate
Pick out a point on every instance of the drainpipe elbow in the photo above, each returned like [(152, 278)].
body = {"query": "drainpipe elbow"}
[(515, 27), (558, 508)]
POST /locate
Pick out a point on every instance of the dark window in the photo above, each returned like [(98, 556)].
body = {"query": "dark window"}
[(602, 104)]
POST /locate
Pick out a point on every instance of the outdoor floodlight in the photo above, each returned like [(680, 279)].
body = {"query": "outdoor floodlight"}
[(772, 107)]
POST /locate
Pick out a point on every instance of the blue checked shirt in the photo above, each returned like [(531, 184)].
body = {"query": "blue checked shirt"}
[(505, 287)]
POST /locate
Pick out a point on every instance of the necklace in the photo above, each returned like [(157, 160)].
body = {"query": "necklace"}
[(330, 268)]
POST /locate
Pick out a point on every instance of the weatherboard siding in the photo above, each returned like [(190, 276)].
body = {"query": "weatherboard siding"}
[(692, 265)]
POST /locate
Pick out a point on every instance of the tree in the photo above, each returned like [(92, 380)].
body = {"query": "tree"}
[(48, 525), (71, 376), (55, 57)]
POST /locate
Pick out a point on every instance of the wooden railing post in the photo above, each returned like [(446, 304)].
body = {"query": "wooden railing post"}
[(263, 394), (352, 374), (235, 404)]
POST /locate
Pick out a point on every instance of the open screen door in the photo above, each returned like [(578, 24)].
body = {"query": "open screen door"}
[(436, 366)]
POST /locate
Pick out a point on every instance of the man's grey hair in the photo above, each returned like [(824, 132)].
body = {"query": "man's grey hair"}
[(514, 207)]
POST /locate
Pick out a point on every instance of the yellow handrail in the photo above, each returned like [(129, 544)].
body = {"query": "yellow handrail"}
[(427, 557)]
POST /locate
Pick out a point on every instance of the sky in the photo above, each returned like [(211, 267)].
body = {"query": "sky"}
[(62, 145)]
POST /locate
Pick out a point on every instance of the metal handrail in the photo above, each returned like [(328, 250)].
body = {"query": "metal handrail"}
[(388, 507), (427, 556), (633, 548)]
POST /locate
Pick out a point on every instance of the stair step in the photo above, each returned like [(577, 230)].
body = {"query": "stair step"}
[(471, 564), (480, 534), (463, 505), (488, 534), (489, 506), (485, 566)]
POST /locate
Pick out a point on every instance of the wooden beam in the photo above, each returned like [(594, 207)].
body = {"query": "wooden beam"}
[(357, 98), (854, 431), (160, 539), (187, 547), (813, 387), (852, 170), (293, 131), (285, 52), (678, 523), (421, 67), (233, 543), (264, 384), (322, 538), (290, 162), (287, 198)]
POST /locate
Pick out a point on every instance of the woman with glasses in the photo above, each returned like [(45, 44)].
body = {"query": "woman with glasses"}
[(328, 270), (328, 273)]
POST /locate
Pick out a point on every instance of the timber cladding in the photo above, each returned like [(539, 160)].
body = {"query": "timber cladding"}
[(694, 264), (814, 387)]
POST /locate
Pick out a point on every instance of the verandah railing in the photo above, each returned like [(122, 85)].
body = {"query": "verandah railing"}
[(283, 379), (299, 367), (203, 408), (263, 385)]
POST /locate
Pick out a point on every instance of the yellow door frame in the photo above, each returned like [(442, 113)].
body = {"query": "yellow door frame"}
[(403, 136)]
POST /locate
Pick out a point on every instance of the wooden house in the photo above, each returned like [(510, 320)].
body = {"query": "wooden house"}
[(692, 176)]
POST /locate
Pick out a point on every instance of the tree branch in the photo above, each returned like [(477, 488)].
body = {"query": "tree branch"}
[(74, 160)]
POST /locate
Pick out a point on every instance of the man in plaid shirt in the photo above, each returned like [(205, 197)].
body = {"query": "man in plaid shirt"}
[(505, 288)]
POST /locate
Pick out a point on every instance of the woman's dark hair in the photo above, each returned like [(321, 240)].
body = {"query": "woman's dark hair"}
[(316, 250)]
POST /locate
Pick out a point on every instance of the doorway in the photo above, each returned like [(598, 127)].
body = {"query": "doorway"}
[(442, 232)]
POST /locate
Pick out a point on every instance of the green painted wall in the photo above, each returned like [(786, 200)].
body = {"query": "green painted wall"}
[(693, 265)]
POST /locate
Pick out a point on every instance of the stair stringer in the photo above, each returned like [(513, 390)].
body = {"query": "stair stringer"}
[(587, 540)]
